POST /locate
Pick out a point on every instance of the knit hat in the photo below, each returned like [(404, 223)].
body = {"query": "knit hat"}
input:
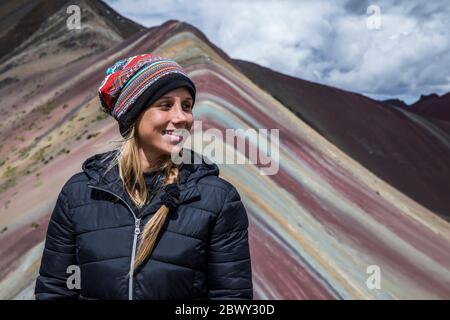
[(134, 83)]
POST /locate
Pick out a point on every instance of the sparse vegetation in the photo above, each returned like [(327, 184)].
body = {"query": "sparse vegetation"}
[(39, 155), (81, 135), (100, 117), (31, 126), (46, 108), (9, 172), (3, 161), (10, 175), (20, 138), (24, 153), (92, 135), (7, 184), (28, 171), (48, 160), (72, 117), (64, 150)]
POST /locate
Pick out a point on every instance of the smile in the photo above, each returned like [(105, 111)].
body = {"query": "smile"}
[(172, 135)]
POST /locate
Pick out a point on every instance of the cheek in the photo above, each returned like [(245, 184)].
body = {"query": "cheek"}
[(152, 122)]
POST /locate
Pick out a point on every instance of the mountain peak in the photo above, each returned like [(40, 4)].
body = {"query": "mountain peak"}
[(42, 24), (426, 98), (395, 102)]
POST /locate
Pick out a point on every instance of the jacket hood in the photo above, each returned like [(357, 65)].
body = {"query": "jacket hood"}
[(191, 172)]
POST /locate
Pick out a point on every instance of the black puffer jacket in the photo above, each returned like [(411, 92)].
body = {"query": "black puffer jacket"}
[(202, 251)]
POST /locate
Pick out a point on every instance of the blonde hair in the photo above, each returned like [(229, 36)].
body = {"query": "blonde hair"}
[(131, 173)]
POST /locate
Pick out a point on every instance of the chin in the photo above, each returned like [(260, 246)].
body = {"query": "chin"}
[(168, 150), (175, 149)]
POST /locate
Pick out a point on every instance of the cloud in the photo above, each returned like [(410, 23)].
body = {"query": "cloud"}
[(324, 41)]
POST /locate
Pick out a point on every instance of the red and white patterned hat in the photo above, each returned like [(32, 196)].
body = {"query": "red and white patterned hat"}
[(134, 83)]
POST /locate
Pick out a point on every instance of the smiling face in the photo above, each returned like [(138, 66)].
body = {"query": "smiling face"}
[(157, 124)]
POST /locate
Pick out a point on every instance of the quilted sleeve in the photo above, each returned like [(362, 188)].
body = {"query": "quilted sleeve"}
[(229, 265), (59, 253)]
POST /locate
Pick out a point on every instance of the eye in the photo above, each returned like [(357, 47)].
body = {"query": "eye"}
[(165, 105), (188, 106)]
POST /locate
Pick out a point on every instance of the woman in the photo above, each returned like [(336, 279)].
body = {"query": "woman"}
[(133, 224)]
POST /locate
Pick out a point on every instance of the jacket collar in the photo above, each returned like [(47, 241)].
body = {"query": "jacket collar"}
[(96, 166)]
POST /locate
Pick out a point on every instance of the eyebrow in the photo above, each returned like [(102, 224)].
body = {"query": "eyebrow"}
[(168, 97)]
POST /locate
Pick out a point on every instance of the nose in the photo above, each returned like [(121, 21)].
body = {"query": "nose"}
[(178, 114)]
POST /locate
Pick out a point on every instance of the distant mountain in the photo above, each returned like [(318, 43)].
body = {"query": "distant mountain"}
[(404, 152), (430, 106), (426, 98), (26, 24), (433, 106), (395, 102)]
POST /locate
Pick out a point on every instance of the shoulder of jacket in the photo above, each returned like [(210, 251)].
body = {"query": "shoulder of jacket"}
[(216, 182), (75, 181)]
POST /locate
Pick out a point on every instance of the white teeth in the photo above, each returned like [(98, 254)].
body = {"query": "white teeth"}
[(171, 132)]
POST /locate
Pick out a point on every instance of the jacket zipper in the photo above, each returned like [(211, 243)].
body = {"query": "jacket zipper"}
[(137, 231)]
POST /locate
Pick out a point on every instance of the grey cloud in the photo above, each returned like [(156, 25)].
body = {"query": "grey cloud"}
[(324, 41)]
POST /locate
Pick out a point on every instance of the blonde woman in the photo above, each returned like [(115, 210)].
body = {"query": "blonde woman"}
[(133, 224)]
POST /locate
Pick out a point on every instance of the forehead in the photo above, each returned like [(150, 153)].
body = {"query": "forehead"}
[(179, 92)]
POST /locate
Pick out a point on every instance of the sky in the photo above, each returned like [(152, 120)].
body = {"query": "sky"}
[(382, 49)]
